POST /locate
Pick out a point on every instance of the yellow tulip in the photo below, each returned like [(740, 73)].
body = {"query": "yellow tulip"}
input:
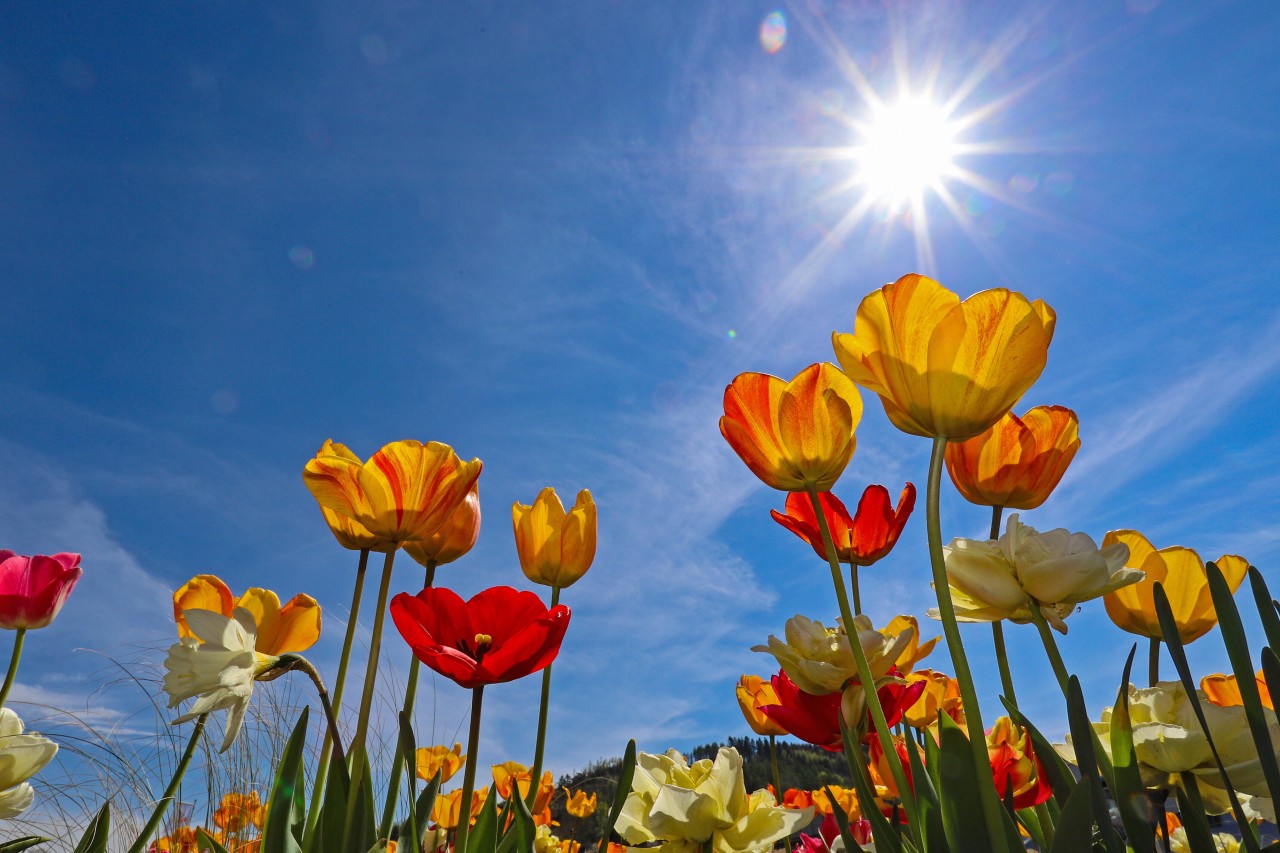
[(941, 696), (405, 492), (238, 812), (509, 774), (820, 660), (1182, 573), (1017, 463), (845, 798), (578, 804), (295, 627), (555, 548), (447, 810), (455, 538), (439, 759), (753, 693), (943, 367), (793, 435), (350, 533)]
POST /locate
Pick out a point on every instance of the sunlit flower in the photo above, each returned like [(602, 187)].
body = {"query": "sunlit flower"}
[(181, 840), (579, 804), (813, 719), (1019, 461), (793, 435), (405, 492), (794, 798), (239, 812), (896, 695), (1223, 842), (993, 580), (1182, 573), (687, 806), (941, 695), (943, 367), (555, 548), (1016, 769), (22, 755), (820, 660), (447, 809), (439, 759), (862, 539), (846, 799), (512, 775), (33, 589), (754, 692), (1224, 691), (219, 665), (497, 635), (350, 533), (886, 786), (295, 627), (545, 842), (454, 538), (914, 651)]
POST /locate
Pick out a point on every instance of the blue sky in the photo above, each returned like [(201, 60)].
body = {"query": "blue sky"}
[(550, 237)]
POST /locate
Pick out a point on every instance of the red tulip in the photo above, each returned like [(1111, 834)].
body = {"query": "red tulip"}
[(813, 719), (499, 635), (33, 589), (863, 539)]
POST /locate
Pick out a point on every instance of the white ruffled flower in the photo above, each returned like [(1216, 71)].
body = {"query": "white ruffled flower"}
[(999, 579), (219, 665), (21, 757), (820, 660)]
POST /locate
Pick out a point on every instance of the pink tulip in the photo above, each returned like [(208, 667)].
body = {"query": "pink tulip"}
[(33, 589)]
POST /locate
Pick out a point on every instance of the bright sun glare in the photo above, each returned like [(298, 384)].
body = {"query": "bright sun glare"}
[(906, 147)]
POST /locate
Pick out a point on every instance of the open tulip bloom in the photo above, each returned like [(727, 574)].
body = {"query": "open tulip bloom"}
[(861, 539)]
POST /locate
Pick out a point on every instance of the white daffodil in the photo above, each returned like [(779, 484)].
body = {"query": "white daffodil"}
[(994, 580), (219, 665), (21, 757)]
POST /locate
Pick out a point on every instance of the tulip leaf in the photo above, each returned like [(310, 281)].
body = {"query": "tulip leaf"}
[(1031, 821), (1075, 830), (1191, 810), (958, 781), (1238, 651), (484, 835), (522, 825), (842, 823), (1129, 793), (625, 774), (95, 835), (1266, 607), (880, 828), (1061, 779), (26, 842), (409, 747), (1084, 742), (927, 802), (278, 828), (1173, 641), (426, 801), (206, 842)]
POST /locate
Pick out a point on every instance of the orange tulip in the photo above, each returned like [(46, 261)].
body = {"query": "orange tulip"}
[(794, 798), (238, 812), (508, 774), (405, 492), (1132, 608), (295, 627), (845, 798), (555, 548), (455, 538), (861, 539), (941, 696), (447, 810), (793, 435), (882, 775), (1222, 690), (753, 694), (439, 759), (1018, 462), (182, 840), (943, 367)]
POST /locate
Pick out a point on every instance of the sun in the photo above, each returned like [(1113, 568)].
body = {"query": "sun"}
[(906, 147)]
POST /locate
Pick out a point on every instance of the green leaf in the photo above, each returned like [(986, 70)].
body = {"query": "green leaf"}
[(1130, 794), (1075, 830), (1266, 607), (927, 801), (206, 842), (426, 800), (409, 748), (1191, 809), (484, 835), (95, 835), (1084, 739), (958, 782), (278, 828), (522, 828), (625, 774), (881, 830), (842, 823), (26, 842)]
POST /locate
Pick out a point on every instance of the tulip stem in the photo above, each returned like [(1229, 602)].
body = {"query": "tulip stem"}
[(1153, 662), (469, 774), (991, 809), (410, 694), (857, 595), (773, 762), (997, 627), (871, 696), (357, 753), (322, 771), (19, 635), (162, 805), (1050, 647), (535, 775)]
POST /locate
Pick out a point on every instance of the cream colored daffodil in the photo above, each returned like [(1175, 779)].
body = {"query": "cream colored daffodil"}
[(1000, 579), (820, 660), (218, 664), (22, 755)]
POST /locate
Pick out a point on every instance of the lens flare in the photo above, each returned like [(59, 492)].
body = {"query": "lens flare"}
[(773, 32)]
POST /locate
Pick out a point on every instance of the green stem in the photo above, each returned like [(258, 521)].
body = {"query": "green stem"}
[(469, 775), (773, 762), (997, 628), (872, 698), (19, 635), (991, 808), (357, 754), (305, 666), (1050, 647), (322, 772), (162, 805), (857, 594), (535, 775), (410, 694), (1153, 662)]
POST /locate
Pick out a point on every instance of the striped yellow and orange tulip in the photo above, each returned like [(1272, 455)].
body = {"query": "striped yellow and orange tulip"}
[(1019, 461), (350, 533)]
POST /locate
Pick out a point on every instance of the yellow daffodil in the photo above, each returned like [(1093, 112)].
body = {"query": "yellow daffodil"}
[(1019, 461), (820, 660), (295, 627), (405, 492), (555, 548), (578, 804), (943, 367), (754, 692), (793, 435), (455, 538), (1182, 573), (439, 759), (22, 755)]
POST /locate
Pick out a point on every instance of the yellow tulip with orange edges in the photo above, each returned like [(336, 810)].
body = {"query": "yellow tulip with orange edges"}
[(295, 627), (945, 367), (793, 435), (1018, 462), (1182, 572)]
